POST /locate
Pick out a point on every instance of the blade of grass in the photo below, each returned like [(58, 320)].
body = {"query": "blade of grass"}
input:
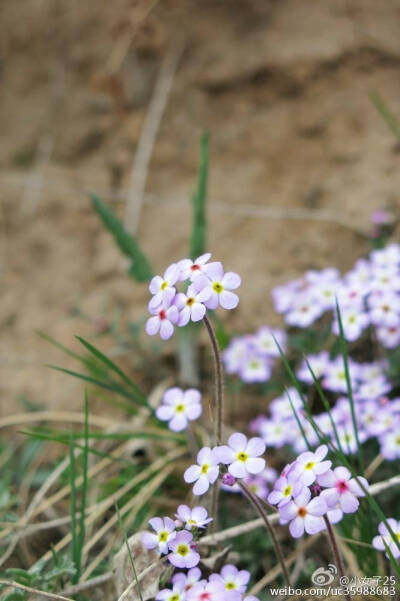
[(110, 386), (199, 229), (129, 552), (387, 115), (298, 421), (140, 267), (72, 475), (325, 403), (113, 367), (344, 353), (85, 465)]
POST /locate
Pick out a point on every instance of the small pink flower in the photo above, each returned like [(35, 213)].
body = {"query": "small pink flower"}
[(165, 317), (163, 288), (164, 534), (183, 555), (342, 489), (188, 580), (191, 269), (179, 407), (220, 286), (193, 518), (191, 305), (232, 579), (285, 488), (204, 473), (176, 594), (242, 456), (310, 465), (304, 514)]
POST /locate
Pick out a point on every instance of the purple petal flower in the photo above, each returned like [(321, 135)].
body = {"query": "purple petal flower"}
[(242, 455), (204, 473), (179, 407), (164, 533), (193, 518), (182, 554)]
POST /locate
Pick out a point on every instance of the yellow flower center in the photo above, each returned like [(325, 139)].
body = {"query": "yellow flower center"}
[(164, 285), (179, 408), (190, 301), (242, 456), (309, 465), (182, 550), (174, 598), (163, 536), (218, 287), (230, 586), (205, 468), (287, 491)]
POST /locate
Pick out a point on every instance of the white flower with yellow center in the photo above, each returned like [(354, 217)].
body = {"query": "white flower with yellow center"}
[(164, 533), (204, 473), (242, 455), (220, 285)]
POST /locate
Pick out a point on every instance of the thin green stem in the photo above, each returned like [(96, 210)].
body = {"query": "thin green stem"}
[(254, 500)]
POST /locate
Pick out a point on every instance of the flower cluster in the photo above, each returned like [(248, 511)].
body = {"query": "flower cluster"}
[(309, 489), (177, 537), (252, 357), (208, 287), (241, 458), (368, 295), (229, 584), (178, 407), (377, 416)]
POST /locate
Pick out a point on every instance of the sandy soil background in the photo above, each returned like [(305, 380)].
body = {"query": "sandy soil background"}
[(299, 155)]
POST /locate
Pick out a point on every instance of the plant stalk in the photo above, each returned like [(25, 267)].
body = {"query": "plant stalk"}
[(260, 509), (335, 551), (219, 382)]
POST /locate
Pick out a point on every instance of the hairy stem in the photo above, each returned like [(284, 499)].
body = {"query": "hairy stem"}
[(254, 500), (219, 382), (335, 551), (218, 411)]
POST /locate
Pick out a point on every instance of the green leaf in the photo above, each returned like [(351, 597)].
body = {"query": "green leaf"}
[(111, 365), (140, 268), (199, 227), (386, 114), (344, 353)]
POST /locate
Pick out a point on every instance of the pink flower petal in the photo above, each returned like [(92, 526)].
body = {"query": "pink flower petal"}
[(255, 465), (228, 300), (152, 326), (237, 441), (231, 280)]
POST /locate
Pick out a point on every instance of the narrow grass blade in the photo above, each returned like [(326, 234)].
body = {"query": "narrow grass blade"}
[(85, 467), (72, 478), (129, 553), (140, 268), (344, 354), (199, 228), (110, 386), (298, 421), (113, 367), (325, 403), (387, 115)]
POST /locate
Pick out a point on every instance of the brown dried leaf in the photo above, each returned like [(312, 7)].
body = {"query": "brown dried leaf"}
[(148, 569)]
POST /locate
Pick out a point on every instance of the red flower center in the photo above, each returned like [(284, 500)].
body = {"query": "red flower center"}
[(342, 486), (195, 267), (302, 512), (205, 597), (162, 314)]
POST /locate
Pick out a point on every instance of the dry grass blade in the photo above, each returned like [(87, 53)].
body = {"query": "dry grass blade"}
[(34, 591), (32, 417)]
